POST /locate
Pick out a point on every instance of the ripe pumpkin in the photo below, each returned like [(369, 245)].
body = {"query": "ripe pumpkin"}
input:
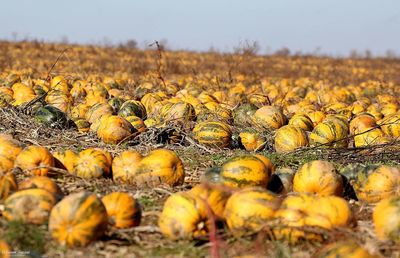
[(318, 177), (301, 121), (160, 166), (29, 205), (8, 185), (125, 165), (42, 182), (243, 171), (390, 125), (386, 218), (269, 117), (249, 209), (289, 138), (114, 129), (150, 101), (214, 195), (5, 250), (137, 123), (78, 219), (6, 164), (330, 133), (316, 117), (370, 137), (343, 249), (243, 113), (381, 183), (123, 210), (98, 110), (116, 103), (59, 100), (184, 215), (180, 111), (361, 123), (32, 157), (22, 94), (132, 108), (9, 147), (251, 140), (91, 163), (65, 159), (214, 134)]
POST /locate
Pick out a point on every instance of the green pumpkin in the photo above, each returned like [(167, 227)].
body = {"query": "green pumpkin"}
[(116, 103), (132, 108), (242, 114), (51, 116)]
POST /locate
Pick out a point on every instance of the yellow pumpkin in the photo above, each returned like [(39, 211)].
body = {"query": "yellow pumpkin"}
[(65, 159), (330, 133), (251, 140), (42, 182), (29, 205), (361, 123), (302, 121), (8, 185), (184, 215), (32, 157), (381, 183), (289, 138), (98, 110), (78, 219), (137, 123), (269, 117), (123, 210), (250, 209), (318, 177), (214, 134), (22, 94), (9, 147), (160, 166), (124, 166), (390, 125), (369, 138), (386, 218), (91, 163), (114, 129)]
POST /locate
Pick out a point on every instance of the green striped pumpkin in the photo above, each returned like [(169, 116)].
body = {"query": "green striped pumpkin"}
[(214, 134), (132, 108), (290, 137), (180, 111), (330, 133)]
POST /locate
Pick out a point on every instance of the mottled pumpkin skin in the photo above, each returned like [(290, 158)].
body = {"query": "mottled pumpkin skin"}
[(65, 159), (215, 196), (269, 117), (29, 205), (370, 137), (124, 166), (78, 219), (5, 250), (137, 123), (114, 129), (318, 177), (330, 133), (386, 218), (289, 138), (184, 215), (123, 210), (390, 125), (381, 183), (180, 111), (8, 185), (343, 249), (42, 182), (361, 123), (132, 108), (249, 209), (91, 163), (300, 210), (98, 110), (160, 166), (150, 101), (35, 156), (251, 140), (214, 134), (301, 121), (243, 171)]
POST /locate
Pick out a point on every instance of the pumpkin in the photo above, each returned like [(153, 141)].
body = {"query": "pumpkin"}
[(214, 134), (269, 117), (50, 116), (137, 123), (98, 110), (381, 183), (343, 249), (289, 138), (386, 218), (249, 209), (114, 129), (5, 250), (42, 182), (8, 185), (9, 147), (150, 101), (6, 164), (82, 124), (214, 196), (243, 113), (243, 171), (318, 177), (267, 162), (370, 137), (330, 133), (32, 157), (22, 94), (252, 140), (361, 123), (390, 125), (123, 210), (160, 166), (184, 215), (59, 100), (132, 108), (78, 219), (124, 166), (65, 159), (316, 117), (180, 111), (91, 163), (301, 121), (79, 111), (116, 103), (29, 205)]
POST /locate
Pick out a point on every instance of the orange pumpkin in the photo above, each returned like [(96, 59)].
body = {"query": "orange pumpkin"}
[(386, 218), (8, 185), (289, 138), (42, 182), (123, 210), (269, 117), (91, 163), (125, 165), (114, 129), (33, 157), (65, 159)]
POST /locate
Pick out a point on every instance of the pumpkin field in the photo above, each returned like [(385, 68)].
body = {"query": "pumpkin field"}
[(121, 152)]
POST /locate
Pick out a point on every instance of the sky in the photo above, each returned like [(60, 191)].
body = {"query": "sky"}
[(333, 27)]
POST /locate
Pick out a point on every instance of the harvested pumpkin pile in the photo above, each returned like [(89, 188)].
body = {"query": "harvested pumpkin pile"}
[(148, 153)]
